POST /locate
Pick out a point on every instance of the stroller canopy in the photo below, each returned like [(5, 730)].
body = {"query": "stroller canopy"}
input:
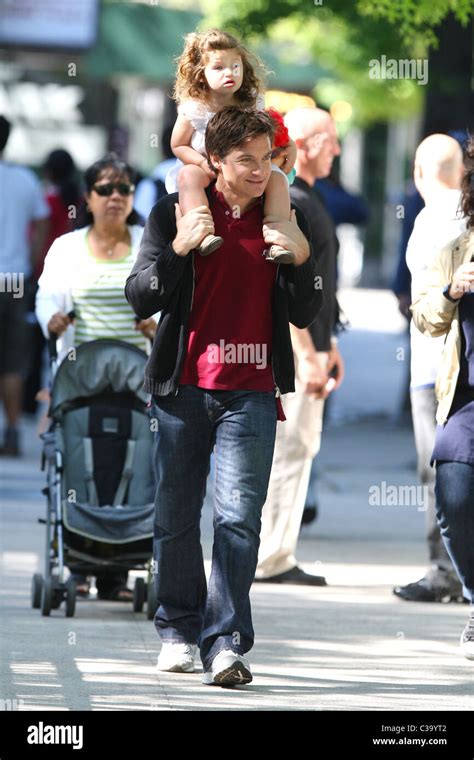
[(98, 367)]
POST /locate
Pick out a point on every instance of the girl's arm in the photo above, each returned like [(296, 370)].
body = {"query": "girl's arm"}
[(181, 142)]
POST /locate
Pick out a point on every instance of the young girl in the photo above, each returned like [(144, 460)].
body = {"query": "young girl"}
[(215, 71)]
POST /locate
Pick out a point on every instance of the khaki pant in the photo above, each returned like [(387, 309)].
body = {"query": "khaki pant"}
[(297, 443)]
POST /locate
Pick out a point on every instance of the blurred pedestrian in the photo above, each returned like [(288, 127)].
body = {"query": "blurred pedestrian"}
[(444, 306), (317, 358), (84, 275), (151, 189), (438, 172), (23, 229), (63, 196)]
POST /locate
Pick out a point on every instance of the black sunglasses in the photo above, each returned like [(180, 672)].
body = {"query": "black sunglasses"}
[(108, 188)]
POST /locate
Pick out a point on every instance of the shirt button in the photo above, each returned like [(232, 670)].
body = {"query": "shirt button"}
[(227, 213)]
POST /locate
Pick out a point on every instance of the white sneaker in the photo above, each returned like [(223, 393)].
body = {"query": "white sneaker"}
[(177, 658), (228, 669), (467, 639)]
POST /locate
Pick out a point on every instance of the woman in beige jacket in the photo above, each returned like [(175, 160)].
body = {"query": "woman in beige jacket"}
[(445, 306)]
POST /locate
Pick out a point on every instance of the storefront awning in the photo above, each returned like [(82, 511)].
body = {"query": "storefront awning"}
[(144, 40)]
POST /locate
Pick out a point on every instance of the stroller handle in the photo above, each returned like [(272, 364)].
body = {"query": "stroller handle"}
[(52, 340)]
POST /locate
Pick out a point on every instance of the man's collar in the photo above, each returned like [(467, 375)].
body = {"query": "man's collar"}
[(218, 195)]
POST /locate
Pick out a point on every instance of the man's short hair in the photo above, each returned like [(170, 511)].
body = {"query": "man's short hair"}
[(5, 127), (232, 127)]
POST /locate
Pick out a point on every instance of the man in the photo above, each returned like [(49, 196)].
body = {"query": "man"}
[(222, 354), (438, 172), (23, 218), (316, 354)]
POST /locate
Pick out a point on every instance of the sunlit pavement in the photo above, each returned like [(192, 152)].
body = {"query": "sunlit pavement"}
[(352, 645)]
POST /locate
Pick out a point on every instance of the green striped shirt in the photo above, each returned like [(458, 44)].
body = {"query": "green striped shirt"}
[(99, 301)]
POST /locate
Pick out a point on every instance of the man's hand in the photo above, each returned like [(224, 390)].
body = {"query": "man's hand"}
[(147, 327), (335, 361), (313, 376), (191, 228), (463, 281), (288, 235), (58, 323)]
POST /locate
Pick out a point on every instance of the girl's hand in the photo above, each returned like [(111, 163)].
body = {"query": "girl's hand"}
[(147, 327), (285, 157), (204, 164)]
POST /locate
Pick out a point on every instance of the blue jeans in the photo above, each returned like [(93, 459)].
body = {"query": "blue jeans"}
[(241, 425), (455, 511)]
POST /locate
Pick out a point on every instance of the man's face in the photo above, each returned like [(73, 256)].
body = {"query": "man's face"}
[(246, 170), (321, 148), (224, 71)]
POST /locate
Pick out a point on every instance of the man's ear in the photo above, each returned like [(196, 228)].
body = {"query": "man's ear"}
[(215, 163)]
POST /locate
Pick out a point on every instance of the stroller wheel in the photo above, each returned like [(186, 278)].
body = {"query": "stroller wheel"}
[(57, 598), (46, 596), (152, 601), (139, 594), (70, 598), (36, 586)]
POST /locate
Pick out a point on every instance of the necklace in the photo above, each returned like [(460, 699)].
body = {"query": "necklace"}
[(109, 252)]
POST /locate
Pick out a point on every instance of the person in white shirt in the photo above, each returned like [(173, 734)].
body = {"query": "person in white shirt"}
[(23, 229), (151, 189), (438, 173)]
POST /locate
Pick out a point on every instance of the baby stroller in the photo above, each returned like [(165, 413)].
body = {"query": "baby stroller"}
[(100, 484)]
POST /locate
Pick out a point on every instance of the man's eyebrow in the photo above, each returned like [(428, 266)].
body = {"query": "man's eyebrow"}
[(249, 155)]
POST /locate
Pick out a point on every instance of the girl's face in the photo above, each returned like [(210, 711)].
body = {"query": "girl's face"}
[(224, 71)]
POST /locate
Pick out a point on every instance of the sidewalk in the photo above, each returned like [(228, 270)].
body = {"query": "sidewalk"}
[(350, 646)]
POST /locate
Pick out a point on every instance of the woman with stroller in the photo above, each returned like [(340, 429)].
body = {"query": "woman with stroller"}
[(81, 290)]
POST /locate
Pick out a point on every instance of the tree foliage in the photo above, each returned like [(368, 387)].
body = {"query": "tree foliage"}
[(343, 37)]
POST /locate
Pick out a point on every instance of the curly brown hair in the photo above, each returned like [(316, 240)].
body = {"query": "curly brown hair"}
[(190, 79), (467, 186)]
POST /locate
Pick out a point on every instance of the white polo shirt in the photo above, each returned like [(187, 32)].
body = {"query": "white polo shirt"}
[(21, 202)]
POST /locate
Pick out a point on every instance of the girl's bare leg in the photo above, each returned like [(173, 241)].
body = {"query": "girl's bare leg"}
[(192, 182), (277, 204)]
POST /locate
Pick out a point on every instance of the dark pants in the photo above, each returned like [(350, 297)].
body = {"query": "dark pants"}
[(455, 510), (423, 409), (241, 425)]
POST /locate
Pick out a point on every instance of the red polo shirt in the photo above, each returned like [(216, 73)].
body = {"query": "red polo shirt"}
[(230, 324)]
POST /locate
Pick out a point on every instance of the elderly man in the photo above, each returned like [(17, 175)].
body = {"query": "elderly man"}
[(316, 355), (208, 392), (438, 173)]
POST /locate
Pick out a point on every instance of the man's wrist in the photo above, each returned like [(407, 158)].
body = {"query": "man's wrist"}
[(303, 253), (180, 247)]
